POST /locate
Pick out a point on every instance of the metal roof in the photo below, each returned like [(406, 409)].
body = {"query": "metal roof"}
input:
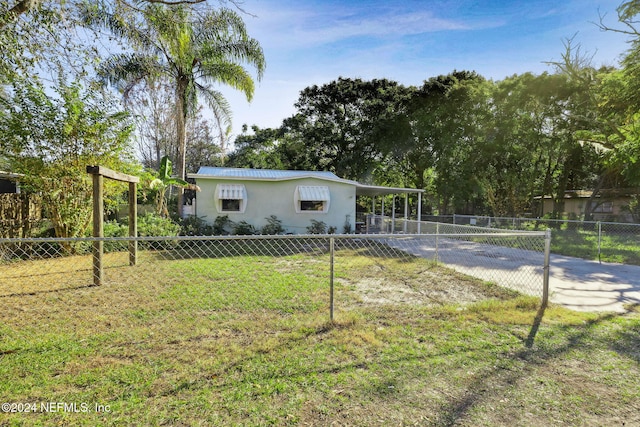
[(263, 174), (208, 172)]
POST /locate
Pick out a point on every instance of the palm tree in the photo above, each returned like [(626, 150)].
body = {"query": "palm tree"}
[(191, 51)]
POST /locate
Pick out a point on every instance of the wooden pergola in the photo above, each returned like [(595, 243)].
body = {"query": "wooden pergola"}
[(99, 173)]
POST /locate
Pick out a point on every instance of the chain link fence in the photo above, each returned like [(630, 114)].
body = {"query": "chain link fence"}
[(294, 272), (594, 240)]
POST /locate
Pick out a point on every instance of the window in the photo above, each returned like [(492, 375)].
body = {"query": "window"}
[(312, 199), (602, 207), (230, 205), (311, 205), (231, 198)]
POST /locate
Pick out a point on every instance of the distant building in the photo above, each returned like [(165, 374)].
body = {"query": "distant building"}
[(608, 205), (9, 182)]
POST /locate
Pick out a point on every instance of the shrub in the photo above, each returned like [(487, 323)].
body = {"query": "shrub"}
[(220, 225), (115, 229), (274, 226), (195, 226), (243, 228), (346, 228), (156, 226), (317, 227)]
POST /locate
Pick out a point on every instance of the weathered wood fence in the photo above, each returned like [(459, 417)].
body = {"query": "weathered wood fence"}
[(18, 214)]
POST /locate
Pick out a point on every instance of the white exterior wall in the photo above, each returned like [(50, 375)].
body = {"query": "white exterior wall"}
[(265, 198)]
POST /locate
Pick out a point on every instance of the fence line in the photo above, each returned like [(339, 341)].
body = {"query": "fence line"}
[(516, 260), (604, 241)]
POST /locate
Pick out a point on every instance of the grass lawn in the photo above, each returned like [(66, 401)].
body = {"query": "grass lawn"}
[(246, 340), (620, 248)]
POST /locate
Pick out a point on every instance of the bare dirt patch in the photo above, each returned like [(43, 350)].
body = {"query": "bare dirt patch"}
[(418, 284)]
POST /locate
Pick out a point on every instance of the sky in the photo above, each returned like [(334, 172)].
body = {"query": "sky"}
[(313, 42)]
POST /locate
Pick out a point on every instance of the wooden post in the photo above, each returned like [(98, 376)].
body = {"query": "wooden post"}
[(98, 172), (98, 229), (133, 224)]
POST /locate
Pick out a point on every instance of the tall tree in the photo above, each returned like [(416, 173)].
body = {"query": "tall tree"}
[(435, 132), (50, 139), (609, 115), (192, 51), (341, 124)]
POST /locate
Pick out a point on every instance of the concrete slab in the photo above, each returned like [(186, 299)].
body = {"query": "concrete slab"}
[(573, 282)]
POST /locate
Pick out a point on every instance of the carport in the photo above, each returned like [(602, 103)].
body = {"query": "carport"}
[(374, 191)]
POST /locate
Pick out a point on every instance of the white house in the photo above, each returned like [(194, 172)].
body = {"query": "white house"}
[(294, 197)]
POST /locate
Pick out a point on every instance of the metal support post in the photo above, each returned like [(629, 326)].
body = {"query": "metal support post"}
[(545, 274), (331, 254)]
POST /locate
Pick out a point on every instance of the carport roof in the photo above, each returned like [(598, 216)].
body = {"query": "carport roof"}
[(246, 174)]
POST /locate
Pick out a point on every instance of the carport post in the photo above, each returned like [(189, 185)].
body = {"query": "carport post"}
[(545, 274), (393, 214)]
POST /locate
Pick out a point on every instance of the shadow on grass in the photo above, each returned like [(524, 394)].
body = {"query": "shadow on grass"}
[(536, 325), (46, 291), (456, 410)]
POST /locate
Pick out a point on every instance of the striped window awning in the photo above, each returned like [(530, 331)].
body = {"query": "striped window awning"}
[(231, 191), (313, 193)]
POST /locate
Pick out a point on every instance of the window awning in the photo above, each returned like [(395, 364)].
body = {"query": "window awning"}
[(231, 191), (313, 193)]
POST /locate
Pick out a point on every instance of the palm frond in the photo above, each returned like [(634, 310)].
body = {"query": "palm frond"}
[(244, 51), (228, 73), (218, 104), (127, 70)]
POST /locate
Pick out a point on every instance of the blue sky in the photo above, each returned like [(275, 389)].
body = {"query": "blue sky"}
[(309, 42)]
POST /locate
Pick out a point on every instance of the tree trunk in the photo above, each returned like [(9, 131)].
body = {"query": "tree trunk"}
[(181, 134), (588, 209)]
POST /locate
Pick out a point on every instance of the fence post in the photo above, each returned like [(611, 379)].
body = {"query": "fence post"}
[(437, 236), (545, 274), (98, 229), (331, 256), (599, 241), (133, 226)]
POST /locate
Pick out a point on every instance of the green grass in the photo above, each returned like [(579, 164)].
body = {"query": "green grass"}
[(246, 340), (624, 249)]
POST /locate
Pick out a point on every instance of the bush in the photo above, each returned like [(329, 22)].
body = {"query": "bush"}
[(220, 225), (317, 227), (115, 229), (243, 228), (153, 225), (195, 226), (274, 226)]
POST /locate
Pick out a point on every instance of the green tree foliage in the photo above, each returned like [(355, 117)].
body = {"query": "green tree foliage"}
[(164, 180), (532, 146), (51, 140), (341, 124), (435, 133), (260, 149), (192, 51)]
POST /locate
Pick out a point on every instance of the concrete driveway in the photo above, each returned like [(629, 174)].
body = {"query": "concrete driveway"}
[(573, 282), (592, 286)]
